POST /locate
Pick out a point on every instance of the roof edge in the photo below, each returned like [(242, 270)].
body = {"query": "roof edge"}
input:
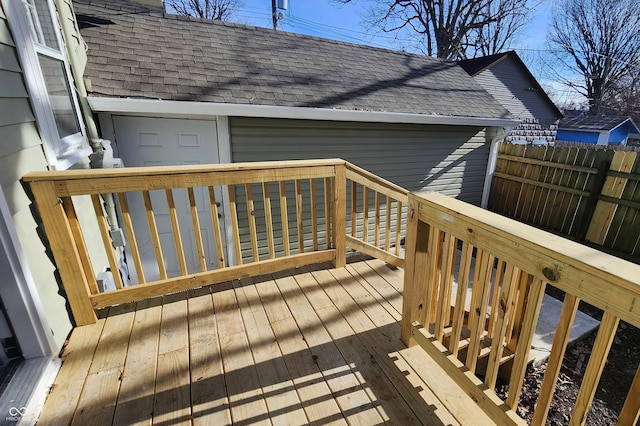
[(183, 109)]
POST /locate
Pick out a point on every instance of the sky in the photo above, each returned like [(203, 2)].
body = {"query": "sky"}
[(327, 19)]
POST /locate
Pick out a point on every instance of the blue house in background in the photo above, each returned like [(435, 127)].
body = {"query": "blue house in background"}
[(600, 130)]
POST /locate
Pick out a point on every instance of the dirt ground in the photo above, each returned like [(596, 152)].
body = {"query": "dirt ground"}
[(616, 379)]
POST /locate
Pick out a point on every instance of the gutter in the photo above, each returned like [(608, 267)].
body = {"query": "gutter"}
[(189, 109), (491, 165)]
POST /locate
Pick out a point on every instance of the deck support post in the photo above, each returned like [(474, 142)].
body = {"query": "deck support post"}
[(65, 250), (339, 228), (415, 276)]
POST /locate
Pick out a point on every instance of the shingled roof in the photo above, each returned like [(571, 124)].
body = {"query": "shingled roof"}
[(594, 122), (140, 52)]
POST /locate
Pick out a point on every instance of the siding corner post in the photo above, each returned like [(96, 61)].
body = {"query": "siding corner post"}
[(65, 251), (415, 275), (339, 228)]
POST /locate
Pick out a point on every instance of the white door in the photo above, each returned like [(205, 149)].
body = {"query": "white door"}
[(145, 141)]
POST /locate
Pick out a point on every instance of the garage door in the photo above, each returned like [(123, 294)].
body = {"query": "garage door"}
[(145, 141)]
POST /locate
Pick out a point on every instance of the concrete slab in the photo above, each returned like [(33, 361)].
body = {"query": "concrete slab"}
[(547, 323)]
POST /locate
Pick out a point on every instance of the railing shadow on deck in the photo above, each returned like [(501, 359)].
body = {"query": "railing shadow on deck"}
[(357, 359)]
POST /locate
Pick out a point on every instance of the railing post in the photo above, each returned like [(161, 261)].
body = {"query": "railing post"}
[(415, 275), (65, 251), (339, 228)]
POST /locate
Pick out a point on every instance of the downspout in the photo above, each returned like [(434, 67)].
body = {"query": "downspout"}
[(69, 32), (491, 165)]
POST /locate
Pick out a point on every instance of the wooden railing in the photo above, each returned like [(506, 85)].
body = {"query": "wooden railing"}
[(474, 283), (278, 215)]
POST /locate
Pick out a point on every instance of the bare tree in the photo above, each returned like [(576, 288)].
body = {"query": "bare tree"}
[(454, 29), (599, 41), (220, 10)]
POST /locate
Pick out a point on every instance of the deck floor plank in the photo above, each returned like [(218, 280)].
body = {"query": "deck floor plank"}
[(137, 390), (306, 346), (278, 388), (210, 403), (390, 405), (172, 403), (100, 392), (243, 386), (312, 389), (384, 341), (76, 361), (354, 402)]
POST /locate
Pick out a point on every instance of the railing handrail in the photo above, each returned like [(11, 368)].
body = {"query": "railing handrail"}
[(54, 191), (62, 175), (514, 263), (568, 265)]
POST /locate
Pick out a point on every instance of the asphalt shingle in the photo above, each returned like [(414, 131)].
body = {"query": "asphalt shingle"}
[(209, 61)]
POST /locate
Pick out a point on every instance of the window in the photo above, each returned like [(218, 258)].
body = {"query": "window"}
[(49, 80)]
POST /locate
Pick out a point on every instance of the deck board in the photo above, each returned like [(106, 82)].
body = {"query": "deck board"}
[(313, 345)]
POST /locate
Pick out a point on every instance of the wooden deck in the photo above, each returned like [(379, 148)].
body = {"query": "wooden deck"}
[(315, 345)]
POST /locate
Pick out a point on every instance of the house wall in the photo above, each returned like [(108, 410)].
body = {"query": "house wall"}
[(619, 134), (447, 159), (582, 137), (21, 151), (514, 90)]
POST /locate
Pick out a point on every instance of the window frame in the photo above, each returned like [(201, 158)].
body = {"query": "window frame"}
[(61, 152)]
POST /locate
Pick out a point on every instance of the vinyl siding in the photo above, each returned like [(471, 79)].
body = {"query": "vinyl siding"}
[(507, 83), (448, 159), (451, 160), (21, 152)]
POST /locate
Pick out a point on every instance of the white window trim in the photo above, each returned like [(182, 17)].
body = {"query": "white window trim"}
[(77, 146)]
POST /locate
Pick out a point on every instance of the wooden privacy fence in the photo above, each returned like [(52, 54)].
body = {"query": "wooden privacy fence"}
[(473, 289), (587, 194), (280, 215)]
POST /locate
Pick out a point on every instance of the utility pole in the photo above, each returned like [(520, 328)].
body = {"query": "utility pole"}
[(274, 14)]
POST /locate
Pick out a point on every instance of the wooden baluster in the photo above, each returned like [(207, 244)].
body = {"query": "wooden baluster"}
[(597, 360), (443, 310), (233, 211), (299, 219), (153, 232), (76, 231), (268, 219), (554, 364), (314, 214), (461, 296), (354, 209), (515, 322), (433, 277), (474, 287), (196, 230), (217, 234), (478, 312), (365, 214), (131, 237), (502, 308), (251, 215), (398, 226), (376, 233), (529, 321), (175, 226), (495, 295), (327, 211), (631, 408), (106, 240), (284, 218), (387, 225)]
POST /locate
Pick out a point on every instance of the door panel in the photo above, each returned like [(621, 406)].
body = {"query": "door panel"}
[(145, 141)]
